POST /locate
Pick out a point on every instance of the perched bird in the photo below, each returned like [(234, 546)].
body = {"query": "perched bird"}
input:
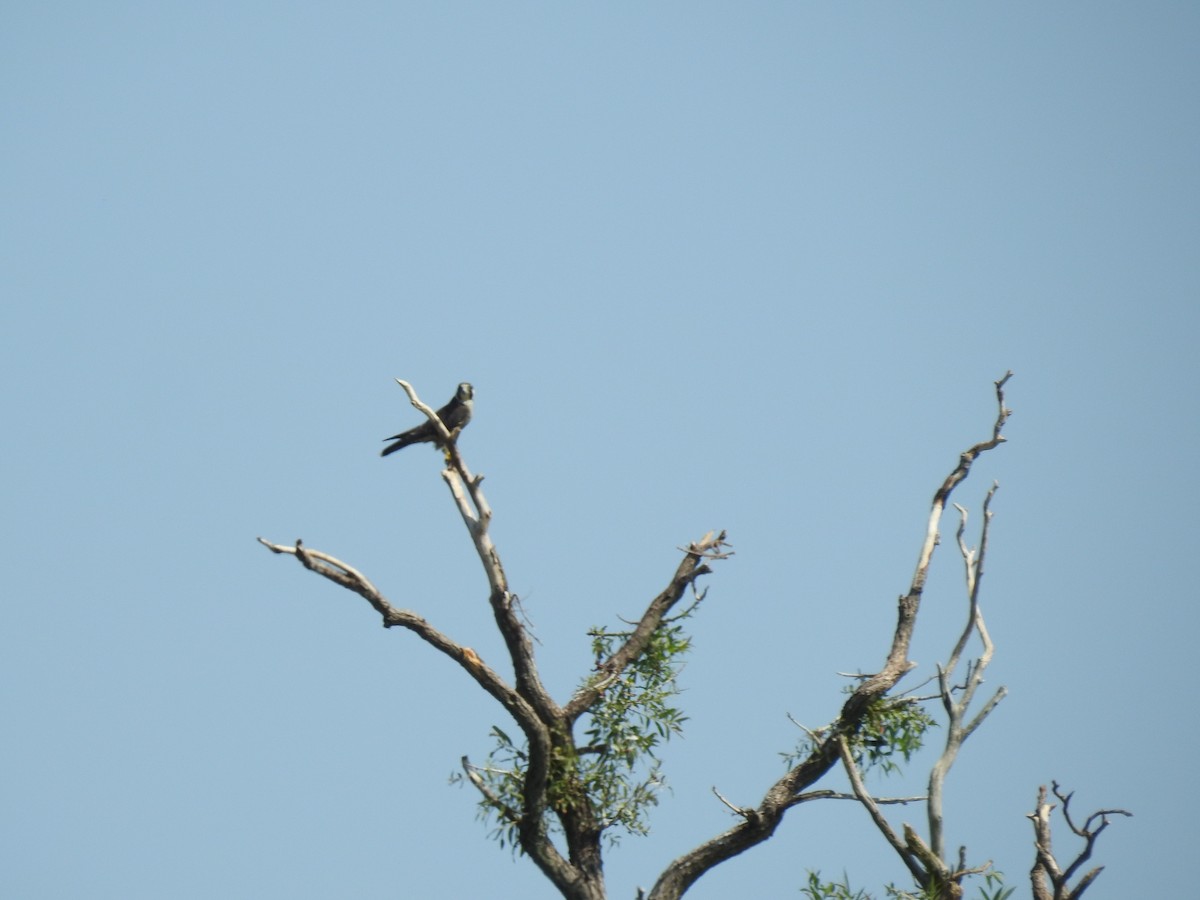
[(454, 415)]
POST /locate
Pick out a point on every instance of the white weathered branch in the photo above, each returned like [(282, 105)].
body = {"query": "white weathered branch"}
[(426, 410), (956, 709), (779, 797)]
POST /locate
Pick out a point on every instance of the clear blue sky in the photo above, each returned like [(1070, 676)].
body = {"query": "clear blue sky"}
[(709, 265)]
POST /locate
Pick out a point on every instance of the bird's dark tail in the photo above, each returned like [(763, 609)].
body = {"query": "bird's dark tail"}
[(392, 448)]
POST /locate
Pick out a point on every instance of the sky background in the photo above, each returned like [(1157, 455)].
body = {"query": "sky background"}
[(709, 265)]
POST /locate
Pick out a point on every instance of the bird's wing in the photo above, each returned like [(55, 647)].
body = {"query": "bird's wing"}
[(421, 432), (455, 414)]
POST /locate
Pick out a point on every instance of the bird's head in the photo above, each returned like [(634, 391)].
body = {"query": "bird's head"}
[(465, 392)]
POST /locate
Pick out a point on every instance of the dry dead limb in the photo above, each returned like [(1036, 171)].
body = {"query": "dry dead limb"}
[(1050, 881)]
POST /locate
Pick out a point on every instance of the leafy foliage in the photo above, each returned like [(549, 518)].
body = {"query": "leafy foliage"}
[(615, 767), (503, 775), (893, 727), (816, 889), (831, 890), (618, 767), (995, 881)]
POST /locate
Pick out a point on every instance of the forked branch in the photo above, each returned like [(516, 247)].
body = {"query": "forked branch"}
[(340, 573), (759, 823), (547, 773), (957, 728), (1050, 880)]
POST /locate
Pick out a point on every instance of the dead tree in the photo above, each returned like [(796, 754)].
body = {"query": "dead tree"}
[(580, 770)]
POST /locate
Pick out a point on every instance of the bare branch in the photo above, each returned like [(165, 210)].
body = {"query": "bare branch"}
[(692, 566), (682, 872), (547, 729), (335, 570), (815, 737), (973, 566), (737, 810), (808, 796), (529, 704), (340, 573), (966, 460), (427, 411), (552, 788), (927, 867), (1049, 880), (956, 710), (477, 515), (909, 859), (1086, 831), (544, 730), (505, 811)]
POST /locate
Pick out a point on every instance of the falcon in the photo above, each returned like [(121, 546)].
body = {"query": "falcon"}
[(454, 415)]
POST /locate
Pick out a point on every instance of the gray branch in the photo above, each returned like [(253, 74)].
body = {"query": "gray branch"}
[(759, 823), (1049, 880)]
